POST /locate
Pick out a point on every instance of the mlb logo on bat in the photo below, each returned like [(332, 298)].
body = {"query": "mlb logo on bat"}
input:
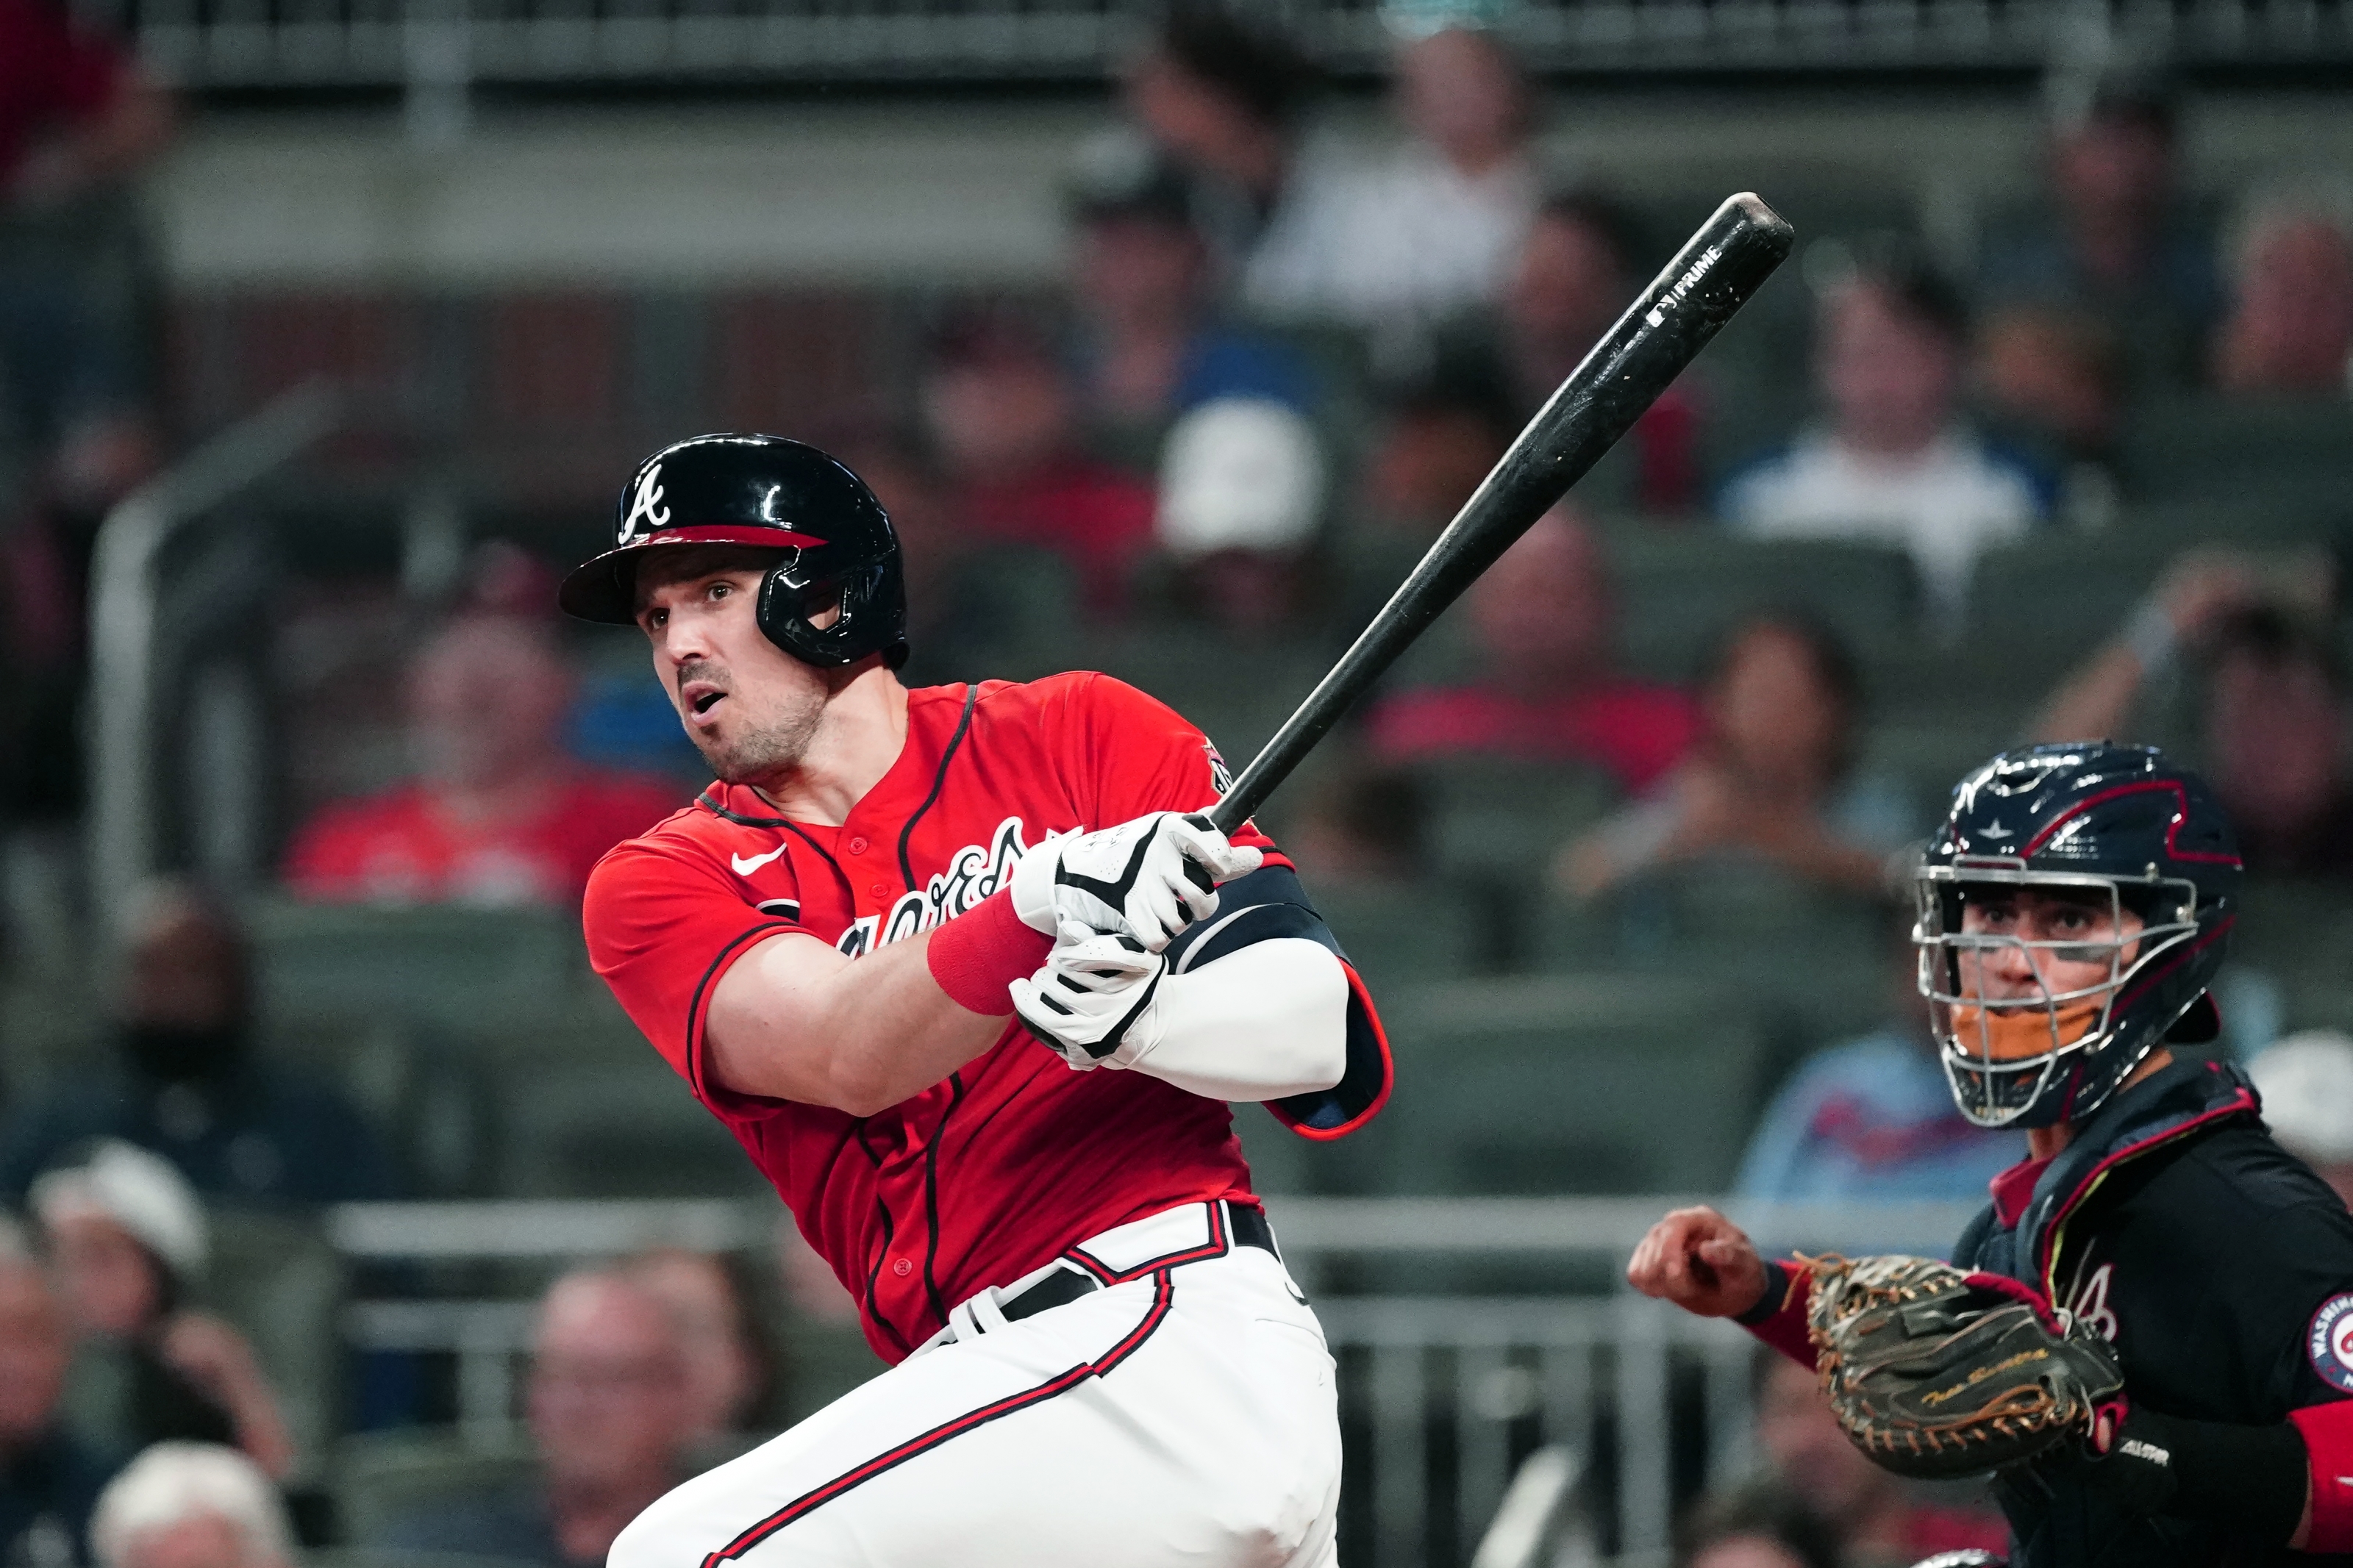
[(2330, 1342)]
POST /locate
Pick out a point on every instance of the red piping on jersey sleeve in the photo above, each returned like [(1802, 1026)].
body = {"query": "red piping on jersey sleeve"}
[(2327, 1432), (977, 955), (1286, 1112), (1785, 1328)]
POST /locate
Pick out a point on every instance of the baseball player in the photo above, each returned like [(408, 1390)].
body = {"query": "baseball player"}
[(2073, 912), (1098, 1356)]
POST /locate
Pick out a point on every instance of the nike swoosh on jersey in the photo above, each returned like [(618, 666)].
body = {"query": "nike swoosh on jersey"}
[(746, 864)]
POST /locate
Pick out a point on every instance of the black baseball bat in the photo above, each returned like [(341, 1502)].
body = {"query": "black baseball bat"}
[(1713, 275)]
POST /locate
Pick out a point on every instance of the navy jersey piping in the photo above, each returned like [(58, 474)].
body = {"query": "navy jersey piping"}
[(882, 1253), (694, 1002), (939, 782), (932, 1197)]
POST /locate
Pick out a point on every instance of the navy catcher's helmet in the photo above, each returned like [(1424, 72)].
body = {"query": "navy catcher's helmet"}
[(2124, 838), (836, 543)]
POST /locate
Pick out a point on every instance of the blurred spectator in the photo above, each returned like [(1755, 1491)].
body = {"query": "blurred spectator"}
[(191, 1505), (1433, 229), (1004, 417), (1772, 777), (1362, 824), (2114, 238), (1878, 1520), (2306, 1083), (1220, 92), (1150, 345), (2058, 378), (499, 813), (1893, 462), (49, 1478), (1544, 622), (188, 1085), (2274, 705), (610, 1414), (1760, 1525), (128, 1238), (1242, 490), (1443, 428), (1873, 1120), (730, 1368), (2290, 330), (78, 117), (1574, 276)]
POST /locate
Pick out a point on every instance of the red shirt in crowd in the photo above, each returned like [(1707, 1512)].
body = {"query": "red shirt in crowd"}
[(51, 72), (1636, 730), (1094, 516), (1006, 1162), (403, 846)]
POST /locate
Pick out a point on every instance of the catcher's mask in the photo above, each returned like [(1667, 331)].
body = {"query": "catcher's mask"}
[(836, 552), (2073, 912)]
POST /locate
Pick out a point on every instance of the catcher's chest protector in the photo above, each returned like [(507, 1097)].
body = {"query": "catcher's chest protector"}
[(2071, 1226)]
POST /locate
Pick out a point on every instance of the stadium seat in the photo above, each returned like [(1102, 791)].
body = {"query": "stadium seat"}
[(382, 1477), (2215, 448), (1576, 1084), (2054, 598), (277, 1281), (1237, 693), (439, 963), (591, 1111), (1402, 934), (1499, 820), (1680, 593)]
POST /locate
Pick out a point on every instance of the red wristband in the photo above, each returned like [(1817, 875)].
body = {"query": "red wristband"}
[(1783, 1325), (2327, 1432), (977, 955)]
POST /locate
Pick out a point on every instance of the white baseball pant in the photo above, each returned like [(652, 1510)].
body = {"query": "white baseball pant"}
[(1185, 1415)]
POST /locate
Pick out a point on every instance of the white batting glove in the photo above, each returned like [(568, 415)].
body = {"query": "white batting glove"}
[(1091, 1003), (1148, 878)]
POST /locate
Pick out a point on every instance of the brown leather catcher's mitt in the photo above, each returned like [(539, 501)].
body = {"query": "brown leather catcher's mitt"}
[(1935, 1373)]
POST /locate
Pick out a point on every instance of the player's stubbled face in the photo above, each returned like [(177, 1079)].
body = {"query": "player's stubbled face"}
[(749, 707), (2010, 971)]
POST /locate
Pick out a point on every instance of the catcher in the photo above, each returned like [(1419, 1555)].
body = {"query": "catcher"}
[(2152, 1346)]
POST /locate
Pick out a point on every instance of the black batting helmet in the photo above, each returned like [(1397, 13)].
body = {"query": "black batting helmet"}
[(835, 542), (2121, 830)]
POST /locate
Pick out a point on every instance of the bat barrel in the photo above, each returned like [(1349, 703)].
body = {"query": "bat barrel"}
[(1710, 278)]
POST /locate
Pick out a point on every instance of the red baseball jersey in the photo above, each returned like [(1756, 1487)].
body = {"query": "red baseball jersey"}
[(994, 1171)]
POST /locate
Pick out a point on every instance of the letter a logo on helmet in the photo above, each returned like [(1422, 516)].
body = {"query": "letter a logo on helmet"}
[(648, 508), (834, 592)]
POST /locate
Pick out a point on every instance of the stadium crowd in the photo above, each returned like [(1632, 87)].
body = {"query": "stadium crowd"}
[(1928, 501)]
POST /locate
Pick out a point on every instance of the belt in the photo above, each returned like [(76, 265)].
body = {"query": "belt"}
[(1244, 1227)]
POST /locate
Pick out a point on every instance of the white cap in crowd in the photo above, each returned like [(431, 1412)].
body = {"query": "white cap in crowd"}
[(171, 1484), (1239, 473), (142, 1192), (2306, 1082)]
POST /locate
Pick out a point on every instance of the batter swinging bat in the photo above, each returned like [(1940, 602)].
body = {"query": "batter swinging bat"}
[(1713, 275)]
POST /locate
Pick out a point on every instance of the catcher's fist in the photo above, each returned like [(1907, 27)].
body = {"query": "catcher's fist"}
[(1701, 1262), (1148, 878)]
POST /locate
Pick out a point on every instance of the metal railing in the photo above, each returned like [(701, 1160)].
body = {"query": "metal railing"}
[(124, 823), (436, 47), (1445, 1396)]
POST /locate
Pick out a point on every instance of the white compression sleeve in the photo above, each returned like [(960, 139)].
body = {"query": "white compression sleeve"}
[(1264, 1022)]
